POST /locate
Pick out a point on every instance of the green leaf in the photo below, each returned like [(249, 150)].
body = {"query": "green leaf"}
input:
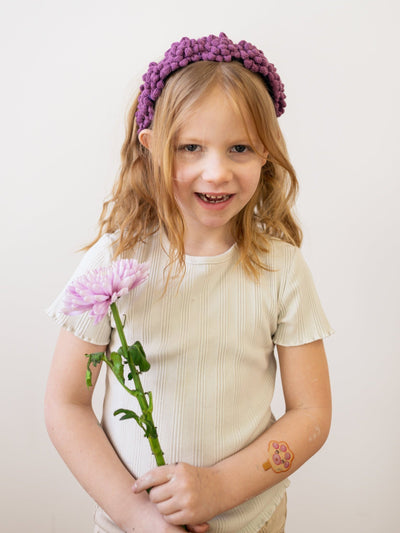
[(133, 354), (137, 356), (150, 396), (88, 378), (144, 365), (121, 352), (130, 414), (127, 414), (116, 366), (95, 358), (132, 358)]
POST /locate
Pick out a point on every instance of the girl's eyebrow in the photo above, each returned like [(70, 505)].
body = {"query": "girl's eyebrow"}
[(195, 140), (189, 140)]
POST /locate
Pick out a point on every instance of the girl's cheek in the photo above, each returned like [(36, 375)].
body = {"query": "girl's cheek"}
[(184, 174)]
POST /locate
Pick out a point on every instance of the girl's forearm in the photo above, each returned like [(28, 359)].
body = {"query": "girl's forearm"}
[(243, 475), (83, 445), (303, 429)]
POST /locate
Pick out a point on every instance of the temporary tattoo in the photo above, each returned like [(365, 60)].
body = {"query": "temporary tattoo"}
[(280, 457)]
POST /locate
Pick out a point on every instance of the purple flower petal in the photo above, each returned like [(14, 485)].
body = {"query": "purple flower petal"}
[(98, 289)]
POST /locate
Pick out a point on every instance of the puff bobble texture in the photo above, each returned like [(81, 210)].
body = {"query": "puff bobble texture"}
[(211, 48)]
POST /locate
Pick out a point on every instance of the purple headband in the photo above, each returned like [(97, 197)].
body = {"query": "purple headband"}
[(209, 48)]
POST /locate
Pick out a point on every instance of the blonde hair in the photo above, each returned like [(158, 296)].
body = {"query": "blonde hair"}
[(143, 201)]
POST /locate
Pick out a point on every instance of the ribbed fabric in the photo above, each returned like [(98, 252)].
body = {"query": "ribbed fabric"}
[(210, 341)]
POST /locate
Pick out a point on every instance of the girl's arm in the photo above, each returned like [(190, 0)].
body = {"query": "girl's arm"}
[(183, 493), (82, 443)]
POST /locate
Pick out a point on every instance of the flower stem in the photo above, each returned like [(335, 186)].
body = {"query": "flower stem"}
[(141, 397)]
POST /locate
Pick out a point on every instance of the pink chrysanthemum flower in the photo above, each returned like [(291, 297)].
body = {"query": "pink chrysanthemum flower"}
[(98, 289)]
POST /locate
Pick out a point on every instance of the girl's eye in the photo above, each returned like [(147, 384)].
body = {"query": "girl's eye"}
[(239, 148), (190, 147)]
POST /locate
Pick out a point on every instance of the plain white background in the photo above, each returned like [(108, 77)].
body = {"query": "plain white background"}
[(68, 72)]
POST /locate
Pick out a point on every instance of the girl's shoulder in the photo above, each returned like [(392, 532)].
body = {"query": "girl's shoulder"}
[(104, 251), (105, 243), (286, 266), (99, 255), (281, 254)]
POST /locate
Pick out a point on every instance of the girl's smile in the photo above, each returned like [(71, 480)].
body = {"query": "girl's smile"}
[(214, 201), (217, 170)]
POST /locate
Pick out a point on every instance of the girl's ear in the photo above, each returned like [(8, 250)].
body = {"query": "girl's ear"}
[(145, 138), (264, 157)]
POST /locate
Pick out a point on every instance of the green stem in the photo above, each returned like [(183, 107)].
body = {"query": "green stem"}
[(153, 441)]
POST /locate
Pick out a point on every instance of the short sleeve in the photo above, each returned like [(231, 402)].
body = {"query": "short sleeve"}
[(100, 255), (301, 318)]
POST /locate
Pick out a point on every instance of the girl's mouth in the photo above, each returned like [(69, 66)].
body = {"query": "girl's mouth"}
[(214, 198)]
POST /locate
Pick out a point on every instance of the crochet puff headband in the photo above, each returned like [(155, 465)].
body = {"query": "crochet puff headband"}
[(211, 48)]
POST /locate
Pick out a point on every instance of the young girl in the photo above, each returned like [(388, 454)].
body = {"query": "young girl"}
[(205, 196)]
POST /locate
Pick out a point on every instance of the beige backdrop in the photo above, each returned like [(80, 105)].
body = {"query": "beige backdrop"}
[(68, 69)]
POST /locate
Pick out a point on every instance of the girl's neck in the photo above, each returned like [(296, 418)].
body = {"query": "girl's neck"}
[(204, 246)]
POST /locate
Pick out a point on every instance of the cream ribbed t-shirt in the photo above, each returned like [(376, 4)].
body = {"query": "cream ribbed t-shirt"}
[(210, 341)]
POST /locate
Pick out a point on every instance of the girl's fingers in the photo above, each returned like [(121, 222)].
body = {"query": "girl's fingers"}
[(158, 476), (160, 494), (168, 508), (201, 528)]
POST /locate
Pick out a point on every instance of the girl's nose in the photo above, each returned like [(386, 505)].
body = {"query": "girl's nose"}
[(217, 169)]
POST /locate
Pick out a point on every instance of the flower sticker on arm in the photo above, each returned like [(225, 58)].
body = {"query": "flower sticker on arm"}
[(97, 292), (280, 457)]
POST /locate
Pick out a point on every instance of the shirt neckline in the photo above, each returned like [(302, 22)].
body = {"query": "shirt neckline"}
[(199, 259), (211, 259)]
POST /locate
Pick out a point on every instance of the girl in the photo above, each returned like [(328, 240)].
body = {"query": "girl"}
[(205, 195)]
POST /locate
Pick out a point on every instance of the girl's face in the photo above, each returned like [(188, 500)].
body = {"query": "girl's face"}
[(216, 171)]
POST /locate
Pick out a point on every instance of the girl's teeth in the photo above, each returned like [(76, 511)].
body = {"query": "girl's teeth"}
[(214, 199)]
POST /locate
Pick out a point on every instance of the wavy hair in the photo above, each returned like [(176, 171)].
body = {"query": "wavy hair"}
[(142, 200)]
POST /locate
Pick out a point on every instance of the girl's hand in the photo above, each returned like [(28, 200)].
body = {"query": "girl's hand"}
[(183, 494)]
